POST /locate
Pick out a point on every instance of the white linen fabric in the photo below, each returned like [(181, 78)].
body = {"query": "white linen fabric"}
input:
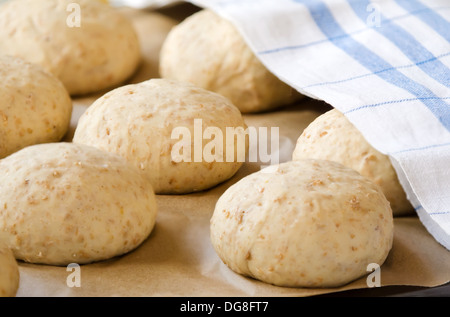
[(384, 64)]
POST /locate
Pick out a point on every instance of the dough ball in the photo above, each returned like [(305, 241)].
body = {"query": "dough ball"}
[(9, 272), (207, 51), (34, 106), (161, 127), (333, 137), (307, 223), (101, 51), (64, 203)]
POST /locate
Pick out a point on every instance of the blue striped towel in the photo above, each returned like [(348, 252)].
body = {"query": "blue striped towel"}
[(384, 64)]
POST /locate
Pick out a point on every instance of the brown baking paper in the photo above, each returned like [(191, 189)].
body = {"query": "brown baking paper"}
[(178, 259)]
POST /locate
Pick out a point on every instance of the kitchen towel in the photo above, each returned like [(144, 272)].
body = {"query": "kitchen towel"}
[(384, 64)]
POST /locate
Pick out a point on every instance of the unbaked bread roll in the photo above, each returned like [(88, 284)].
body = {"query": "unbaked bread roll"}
[(160, 126), (87, 44), (9, 272), (209, 52), (34, 106), (64, 203), (333, 137), (307, 223)]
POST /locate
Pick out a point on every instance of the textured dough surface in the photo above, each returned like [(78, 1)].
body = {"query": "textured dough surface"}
[(333, 137), (207, 51), (102, 52), (34, 106), (136, 122), (64, 203), (307, 223), (9, 272)]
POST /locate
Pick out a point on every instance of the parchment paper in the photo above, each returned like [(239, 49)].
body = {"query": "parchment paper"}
[(178, 259)]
